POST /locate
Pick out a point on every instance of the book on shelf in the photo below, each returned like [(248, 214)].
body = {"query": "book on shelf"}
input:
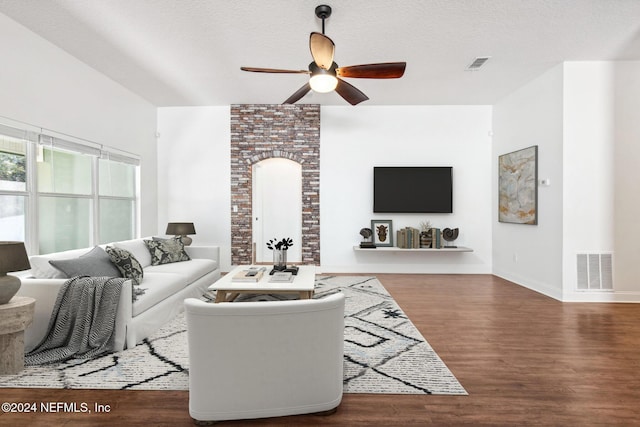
[(436, 238), (408, 238), (281, 277), (251, 275)]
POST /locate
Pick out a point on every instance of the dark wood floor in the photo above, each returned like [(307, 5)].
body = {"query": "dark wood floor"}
[(524, 359)]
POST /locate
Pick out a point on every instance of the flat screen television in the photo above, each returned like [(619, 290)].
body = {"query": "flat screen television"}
[(427, 189)]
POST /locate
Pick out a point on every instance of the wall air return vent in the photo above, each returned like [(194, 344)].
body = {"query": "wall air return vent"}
[(595, 272), (477, 63)]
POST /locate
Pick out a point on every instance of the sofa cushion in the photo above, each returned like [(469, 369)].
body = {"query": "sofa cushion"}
[(137, 248), (189, 271), (166, 251), (95, 263), (41, 269), (159, 286), (126, 263)]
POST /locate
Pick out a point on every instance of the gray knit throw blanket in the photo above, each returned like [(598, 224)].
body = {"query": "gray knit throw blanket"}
[(82, 323)]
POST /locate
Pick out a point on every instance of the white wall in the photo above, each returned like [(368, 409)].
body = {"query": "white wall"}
[(589, 143), (194, 155), (43, 86), (194, 180), (583, 117), (354, 140), (571, 102), (626, 178), (531, 255)]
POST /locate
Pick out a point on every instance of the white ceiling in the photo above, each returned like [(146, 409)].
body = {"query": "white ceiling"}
[(189, 52)]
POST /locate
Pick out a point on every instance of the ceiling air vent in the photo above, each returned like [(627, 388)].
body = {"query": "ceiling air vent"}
[(477, 63)]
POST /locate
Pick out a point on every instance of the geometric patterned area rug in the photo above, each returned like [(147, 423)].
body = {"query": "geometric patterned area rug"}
[(384, 352)]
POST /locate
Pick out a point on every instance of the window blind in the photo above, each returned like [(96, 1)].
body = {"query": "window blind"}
[(18, 133), (85, 148)]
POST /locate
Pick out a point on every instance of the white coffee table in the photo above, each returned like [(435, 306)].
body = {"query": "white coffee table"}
[(227, 290)]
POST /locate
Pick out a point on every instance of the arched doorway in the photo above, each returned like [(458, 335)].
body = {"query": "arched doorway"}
[(277, 206), (259, 132)]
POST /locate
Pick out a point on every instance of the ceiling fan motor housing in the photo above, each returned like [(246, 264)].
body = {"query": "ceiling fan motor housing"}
[(313, 67), (323, 11)]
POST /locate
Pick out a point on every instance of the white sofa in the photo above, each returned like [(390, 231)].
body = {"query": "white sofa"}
[(166, 286), (264, 359)]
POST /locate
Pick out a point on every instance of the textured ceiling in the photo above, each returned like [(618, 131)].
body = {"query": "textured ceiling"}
[(189, 52)]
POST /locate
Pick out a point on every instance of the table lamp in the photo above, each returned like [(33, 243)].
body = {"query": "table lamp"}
[(13, 257), (181, 229)]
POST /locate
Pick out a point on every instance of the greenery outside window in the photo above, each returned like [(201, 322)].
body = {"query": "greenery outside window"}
[(13, 187)]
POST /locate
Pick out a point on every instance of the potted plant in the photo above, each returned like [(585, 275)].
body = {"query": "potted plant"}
[(279, 248)]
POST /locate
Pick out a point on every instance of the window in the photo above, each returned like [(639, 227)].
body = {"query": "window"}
[(64, 200), (80, 194), (117, 196), (13, 173), (13, 187)]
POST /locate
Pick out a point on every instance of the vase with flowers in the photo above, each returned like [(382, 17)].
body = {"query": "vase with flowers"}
[(279, 248), (425, 234)]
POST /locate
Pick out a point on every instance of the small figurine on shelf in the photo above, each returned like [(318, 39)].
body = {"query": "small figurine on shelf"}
[(367, 239), (450, 235)]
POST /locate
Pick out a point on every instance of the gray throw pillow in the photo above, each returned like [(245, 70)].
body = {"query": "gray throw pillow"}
[(126, 263), (165, 251), (96, 263)]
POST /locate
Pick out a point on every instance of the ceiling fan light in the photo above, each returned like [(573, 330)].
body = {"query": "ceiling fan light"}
[(323, 83)]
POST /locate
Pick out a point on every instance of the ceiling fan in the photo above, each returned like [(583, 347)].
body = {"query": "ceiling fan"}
[(325, 75)]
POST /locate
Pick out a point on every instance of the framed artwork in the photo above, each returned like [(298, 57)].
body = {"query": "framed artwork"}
[(382, 232), (518, 186)]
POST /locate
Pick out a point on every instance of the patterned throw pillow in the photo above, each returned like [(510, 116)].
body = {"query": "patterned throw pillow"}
[(165, 251), (126, 263)]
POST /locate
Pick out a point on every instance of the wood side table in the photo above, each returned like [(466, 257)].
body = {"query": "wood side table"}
[(15, 316)]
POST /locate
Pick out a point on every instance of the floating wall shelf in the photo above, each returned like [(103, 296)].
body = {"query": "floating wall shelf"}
[(396, 249)]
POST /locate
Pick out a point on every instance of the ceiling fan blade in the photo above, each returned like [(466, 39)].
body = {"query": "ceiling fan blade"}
[(298, 94), (350, 93), (385, 70), (274, 70), (322, 49)]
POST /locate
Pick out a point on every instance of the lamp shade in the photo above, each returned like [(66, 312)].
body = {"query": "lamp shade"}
[(180, 228), (322, 80), (323, 83), (13, 257)]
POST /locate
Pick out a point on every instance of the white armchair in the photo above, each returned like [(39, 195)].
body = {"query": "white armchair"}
[(264, 359)]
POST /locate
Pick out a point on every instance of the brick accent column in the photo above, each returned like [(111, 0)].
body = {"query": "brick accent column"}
[(259, 132)]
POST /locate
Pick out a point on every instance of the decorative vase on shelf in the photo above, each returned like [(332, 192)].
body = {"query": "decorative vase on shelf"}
[(425, 239), (279, 259)]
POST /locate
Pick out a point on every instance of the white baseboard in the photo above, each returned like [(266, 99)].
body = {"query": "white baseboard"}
[(599, 296), (542, 288), (407, 269), (572, 296)]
